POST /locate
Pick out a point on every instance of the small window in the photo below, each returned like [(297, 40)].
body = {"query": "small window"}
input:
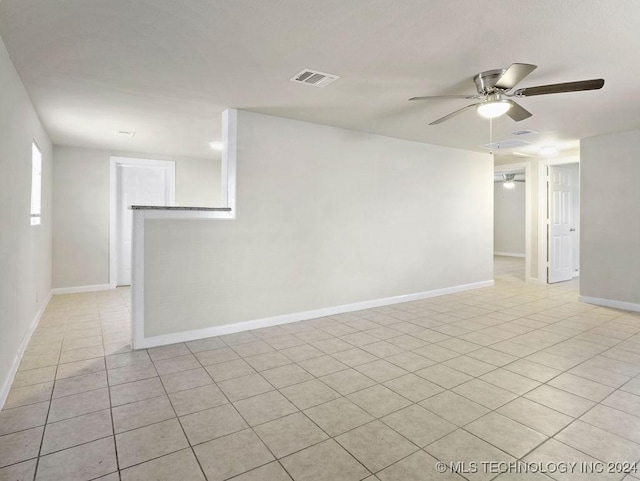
[(36, 184)]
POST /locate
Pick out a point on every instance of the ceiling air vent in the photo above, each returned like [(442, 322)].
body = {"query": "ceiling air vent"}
[(313, 77), (123, 133), (524, 132), (505, 144)]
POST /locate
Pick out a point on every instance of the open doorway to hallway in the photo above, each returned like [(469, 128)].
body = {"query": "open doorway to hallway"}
[(133, 182), (508, 267), (510, 221)]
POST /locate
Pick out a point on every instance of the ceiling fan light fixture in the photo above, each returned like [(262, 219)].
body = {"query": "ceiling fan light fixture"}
[(509, 181), (494, 108)]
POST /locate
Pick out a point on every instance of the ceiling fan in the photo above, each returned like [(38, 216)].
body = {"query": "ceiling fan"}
[(509, 179), (494, 87)]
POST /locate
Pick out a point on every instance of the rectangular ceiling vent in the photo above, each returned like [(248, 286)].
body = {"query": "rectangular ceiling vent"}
[(524, 132), (124, 133), (505, 144), (315, 78)]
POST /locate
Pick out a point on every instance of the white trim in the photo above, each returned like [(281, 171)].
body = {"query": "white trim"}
[(528, 205), (137, 278), (170, 165), (543, 165), (192, 335), (625, 306), (74, 290), (186, 214), (229, 158), (509, 254), (6, 386)]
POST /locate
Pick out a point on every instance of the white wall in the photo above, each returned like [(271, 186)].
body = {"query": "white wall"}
[(610, 213), (325, 217), (81, 208), (25, 250), (509, 219)]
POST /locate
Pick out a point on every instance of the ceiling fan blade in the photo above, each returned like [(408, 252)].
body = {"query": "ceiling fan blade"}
[(430, 97), (593, 84), (452, 114), (514, 74), (517, 112)]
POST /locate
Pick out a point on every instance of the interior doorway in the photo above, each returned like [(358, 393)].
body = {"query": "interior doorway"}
[(512, 220), (134, 182), (562, 232)]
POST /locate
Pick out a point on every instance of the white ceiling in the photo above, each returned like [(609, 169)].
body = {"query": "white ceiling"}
[(166, 69)]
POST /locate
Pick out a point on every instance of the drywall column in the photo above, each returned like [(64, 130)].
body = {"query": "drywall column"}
[(610, 237)]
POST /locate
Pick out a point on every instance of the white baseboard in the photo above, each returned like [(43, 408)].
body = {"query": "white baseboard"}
[(508, 254), (298, 316), (6, 386), (625, 306), (77, 289)]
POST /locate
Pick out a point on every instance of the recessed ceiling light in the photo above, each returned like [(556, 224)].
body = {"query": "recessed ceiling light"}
[(216, 145), (505, 144), (548, 150), (125, 133)]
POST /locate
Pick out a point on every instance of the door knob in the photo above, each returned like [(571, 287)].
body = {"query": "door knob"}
[(573, 229)]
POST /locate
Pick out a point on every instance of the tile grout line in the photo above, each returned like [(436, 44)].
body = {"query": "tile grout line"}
[(44, 429), (113, 426)]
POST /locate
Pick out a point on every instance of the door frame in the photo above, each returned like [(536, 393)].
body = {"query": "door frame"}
[(168, 165), (543, 201), (527, 210)]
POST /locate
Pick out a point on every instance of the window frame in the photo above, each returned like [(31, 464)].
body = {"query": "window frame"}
[(36, 184)]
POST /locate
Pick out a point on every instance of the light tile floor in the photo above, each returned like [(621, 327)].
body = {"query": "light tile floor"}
[(511, 372)]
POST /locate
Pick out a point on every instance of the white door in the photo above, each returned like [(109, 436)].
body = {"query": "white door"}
[(135, 185), (560, 225)]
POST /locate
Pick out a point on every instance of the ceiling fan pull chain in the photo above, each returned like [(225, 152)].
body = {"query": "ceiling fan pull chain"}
[(491, 135)]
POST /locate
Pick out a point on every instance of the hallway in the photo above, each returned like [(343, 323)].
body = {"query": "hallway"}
[(505, 267)]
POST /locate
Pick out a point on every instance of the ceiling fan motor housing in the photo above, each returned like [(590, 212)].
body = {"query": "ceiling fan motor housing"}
[(486, 81)]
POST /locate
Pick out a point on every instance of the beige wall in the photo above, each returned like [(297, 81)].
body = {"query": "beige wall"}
[(325, 217), (81, 208), (25, 250), (610, 213), (509, 219)]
